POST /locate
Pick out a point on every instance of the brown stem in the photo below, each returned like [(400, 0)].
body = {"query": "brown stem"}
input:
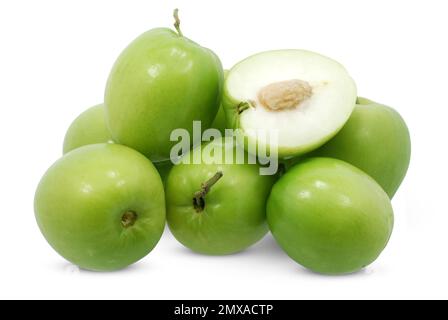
[(199, 196)]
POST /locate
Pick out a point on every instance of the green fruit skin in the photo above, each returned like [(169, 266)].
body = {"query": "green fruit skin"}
[(234, 216), (376, 140), (220, 119), (162, 81), (88, 128), (81, 199), (329, 216)]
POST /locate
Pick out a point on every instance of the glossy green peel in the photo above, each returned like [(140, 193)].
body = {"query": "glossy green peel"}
[(88, 128), (101, 206), (230, 214), (162, 81), (220, 119), (329, 216), (164, 168), (376, 140)]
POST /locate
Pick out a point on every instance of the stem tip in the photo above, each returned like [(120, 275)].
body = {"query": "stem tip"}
[(177, 21)]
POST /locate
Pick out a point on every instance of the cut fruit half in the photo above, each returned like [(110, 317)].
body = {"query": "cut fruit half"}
[(302, 97)]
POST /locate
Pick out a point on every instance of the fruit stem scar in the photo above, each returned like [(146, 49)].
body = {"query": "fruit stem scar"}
[(128, 219), (284, 94), (177, 22), (198, 200)]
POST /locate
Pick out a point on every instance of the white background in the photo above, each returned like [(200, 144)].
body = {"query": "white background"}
[(55, 57)]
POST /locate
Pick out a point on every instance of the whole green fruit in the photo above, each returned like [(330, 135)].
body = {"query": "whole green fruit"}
[(376, 140), (88, 128), (329, 216), (101, 206), (162, 81), (217, 209)]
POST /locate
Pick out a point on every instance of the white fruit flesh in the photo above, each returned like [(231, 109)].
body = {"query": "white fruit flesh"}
[(313, 117)]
